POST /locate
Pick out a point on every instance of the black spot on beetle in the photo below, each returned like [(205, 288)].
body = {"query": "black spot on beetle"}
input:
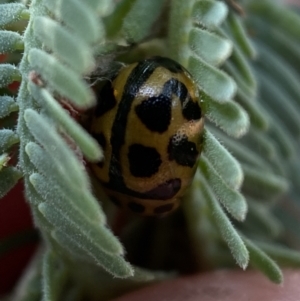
[(163, 209), (155, 113), (100, 139), (191, 110), (135, 207), (106, 100), (181, 150), (164, 191), (143, 161)]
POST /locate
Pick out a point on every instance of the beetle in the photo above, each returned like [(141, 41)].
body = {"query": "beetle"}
[(149, 123)]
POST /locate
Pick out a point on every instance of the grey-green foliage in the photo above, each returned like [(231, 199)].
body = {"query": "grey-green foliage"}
[(276, 41), (52, 144), (207, 48), (59, 48), (11, 13)]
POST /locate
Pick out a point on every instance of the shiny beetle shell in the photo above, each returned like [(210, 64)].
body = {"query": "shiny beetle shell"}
[(149, 123)]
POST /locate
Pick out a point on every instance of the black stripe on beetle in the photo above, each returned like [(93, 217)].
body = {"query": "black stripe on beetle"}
[(106, 100), (136, 79)]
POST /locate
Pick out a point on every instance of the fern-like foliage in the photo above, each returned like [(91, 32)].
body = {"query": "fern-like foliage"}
[(250, 98)]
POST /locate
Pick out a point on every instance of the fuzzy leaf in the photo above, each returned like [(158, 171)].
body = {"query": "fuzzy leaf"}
[(232, 200), (7, 106), (65, 45), (7, 139), (225, 227), (241, 152), (9, 176), (10, 41), (96, 233), (113, 264), (8, 74), (229, 116), (56, 147), (280, 253), (61, 78), (282, 137), (259, 117), (267, 185), (280, 72), (10, 13), (210, 47), (280, 16), (54, 277), (238, 32), (222, 161), (114, 22), (263, 262), (261, 144), (245, 71), (209, 13), (141, 16), (263, 218), (88, 145), (88, 29), (233, 69), (208, 78), (82, 198), (281, 105)]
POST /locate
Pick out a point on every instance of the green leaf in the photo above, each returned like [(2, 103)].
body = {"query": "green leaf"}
[(56, 147), (282, 105), (7, 106), (113, 264), (263, 262), (222, 161), (10, 41), (263, 184), (92, 230), (140, 18), (61, 78), (232, 200), (9, 176), (229, 116), (263, 218), (245, 71), (280, 16), (52, 170), (229, 234), (7, 139), (208, 78), (210, 47), (88, 145), (10, 13), (238, 32), (282, 137), (281, 72), (8, 74), (242, 152), (259, 117), (263, 145), (284, 255), (209, 13), (69, 12), (54, 277), (65, 45)]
